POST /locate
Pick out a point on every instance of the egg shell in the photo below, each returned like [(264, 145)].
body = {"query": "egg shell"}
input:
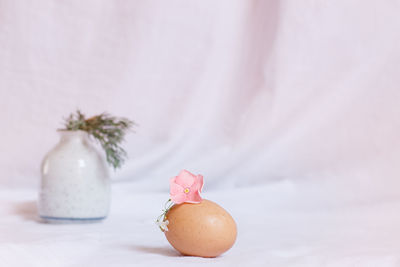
[(203, 229)]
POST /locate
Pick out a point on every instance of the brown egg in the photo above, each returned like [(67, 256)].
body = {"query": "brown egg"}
[(204, 229)]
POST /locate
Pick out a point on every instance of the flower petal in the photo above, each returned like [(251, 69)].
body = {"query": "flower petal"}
[(178, 198), (193, 197), (185, 179), (174, 188), (198, 184)]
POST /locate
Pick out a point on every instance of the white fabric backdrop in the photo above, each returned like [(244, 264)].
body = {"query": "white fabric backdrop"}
[(245, 92), (303, 94)]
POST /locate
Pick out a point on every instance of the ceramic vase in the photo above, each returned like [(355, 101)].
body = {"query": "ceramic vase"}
[(75, 183)]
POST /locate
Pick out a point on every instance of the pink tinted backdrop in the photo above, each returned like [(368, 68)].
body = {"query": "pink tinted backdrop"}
[(244, 92)]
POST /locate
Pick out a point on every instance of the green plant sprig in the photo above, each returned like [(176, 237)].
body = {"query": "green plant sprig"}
[(108, 130)]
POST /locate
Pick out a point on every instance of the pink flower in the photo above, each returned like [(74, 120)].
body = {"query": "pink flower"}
[(186, 187)]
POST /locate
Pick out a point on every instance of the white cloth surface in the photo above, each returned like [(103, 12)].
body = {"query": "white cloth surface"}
[(277, 226), (290, 110)]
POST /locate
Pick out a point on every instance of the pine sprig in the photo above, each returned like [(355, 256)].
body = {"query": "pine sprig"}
[(108, 130)]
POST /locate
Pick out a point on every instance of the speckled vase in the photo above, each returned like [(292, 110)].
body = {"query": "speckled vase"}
[(75, 184)]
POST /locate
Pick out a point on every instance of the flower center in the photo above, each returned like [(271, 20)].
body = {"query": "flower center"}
[(187, 190)]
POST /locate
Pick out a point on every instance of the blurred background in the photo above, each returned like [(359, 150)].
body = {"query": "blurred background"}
[(244, 92)]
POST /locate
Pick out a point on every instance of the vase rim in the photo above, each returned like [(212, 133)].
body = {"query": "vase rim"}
[(72, 132), (65, 130)]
